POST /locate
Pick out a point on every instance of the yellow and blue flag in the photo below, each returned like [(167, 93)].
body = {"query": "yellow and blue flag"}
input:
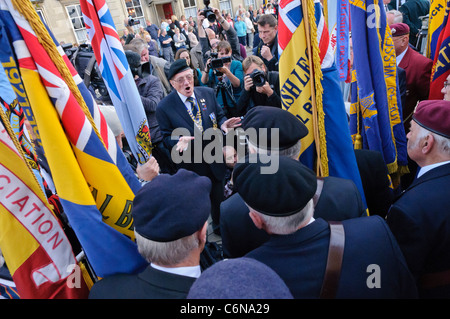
[(375, 113), (328, 141), (93, 192), (435, 25)]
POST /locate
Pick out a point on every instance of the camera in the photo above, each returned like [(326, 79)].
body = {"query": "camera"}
[(218, 62), (258, 77), (207, 12), (132, 22)]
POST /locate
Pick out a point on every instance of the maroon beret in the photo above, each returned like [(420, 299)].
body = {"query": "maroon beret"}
[(399, 29), (434, 115)]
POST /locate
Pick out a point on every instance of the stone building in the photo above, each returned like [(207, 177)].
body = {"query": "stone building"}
[(65, 19)]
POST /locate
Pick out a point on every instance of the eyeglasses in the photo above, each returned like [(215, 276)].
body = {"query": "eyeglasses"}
[(181, 80), (446, 83)]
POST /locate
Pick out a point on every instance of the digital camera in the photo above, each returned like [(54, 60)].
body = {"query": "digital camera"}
[(258, 77), (207, 12)]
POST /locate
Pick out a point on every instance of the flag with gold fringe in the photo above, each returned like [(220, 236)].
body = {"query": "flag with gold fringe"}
[(35, 247), (94, 194), (375, 113), (310, 90), (435, 25)]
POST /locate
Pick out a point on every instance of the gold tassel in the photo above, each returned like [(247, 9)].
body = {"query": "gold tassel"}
[(358, 142)]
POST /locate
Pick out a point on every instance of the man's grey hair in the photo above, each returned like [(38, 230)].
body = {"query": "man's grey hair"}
[(166, 253), (398, 16), (287, 224)]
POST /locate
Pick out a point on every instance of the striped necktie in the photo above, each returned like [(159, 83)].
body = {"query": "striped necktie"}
[(193, 106)]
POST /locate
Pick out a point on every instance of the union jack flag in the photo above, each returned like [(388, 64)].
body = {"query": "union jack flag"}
[(119, 80), (94, 194), (290, 17)]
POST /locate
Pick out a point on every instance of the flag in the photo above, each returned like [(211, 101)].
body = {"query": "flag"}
[(435, 20), (37, 252), (117, 75), (328, 142), (375, 115), (94, 194), (441, 59)]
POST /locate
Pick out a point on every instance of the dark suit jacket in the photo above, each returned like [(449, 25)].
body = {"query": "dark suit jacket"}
[(418, 73), (375, 181), (150, 284), (420, 220), (171, 113), (300, 260), (339, 200)]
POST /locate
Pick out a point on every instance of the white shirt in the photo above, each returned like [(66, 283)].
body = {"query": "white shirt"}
[(427, 168), (401, 55), (193, 271), (184, 99)]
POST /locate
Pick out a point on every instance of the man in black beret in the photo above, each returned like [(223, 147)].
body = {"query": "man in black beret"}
[(420, 217), (170, 221), (187, 113), (298, 243), (335, 198)]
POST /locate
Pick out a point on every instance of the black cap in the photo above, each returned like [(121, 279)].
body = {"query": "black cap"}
[(171, 207), (291, 129), (283, 193), (178, 66)]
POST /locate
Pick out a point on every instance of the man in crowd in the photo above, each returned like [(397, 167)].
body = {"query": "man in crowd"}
[(261, 87), (195, 110), (267, 48), (171, 245), (419, 218), (226, 79), (412, 10), (371, 266)]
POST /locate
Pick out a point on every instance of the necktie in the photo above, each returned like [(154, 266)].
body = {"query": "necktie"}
[(193, 106)]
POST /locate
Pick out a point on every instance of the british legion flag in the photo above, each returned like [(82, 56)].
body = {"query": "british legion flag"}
[(117, 75), (94, 194)]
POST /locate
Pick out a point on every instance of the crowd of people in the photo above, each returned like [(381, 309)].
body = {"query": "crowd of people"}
[(285, 232)]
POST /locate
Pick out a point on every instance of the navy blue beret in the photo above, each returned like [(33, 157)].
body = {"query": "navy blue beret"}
[(283, 193), (291, 129), (239, 278), (178, 66), (171, 207)]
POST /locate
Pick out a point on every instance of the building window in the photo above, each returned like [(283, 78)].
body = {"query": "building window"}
[(135, 12), (76, 17), (250, 3), (225, 5), (190, 9)]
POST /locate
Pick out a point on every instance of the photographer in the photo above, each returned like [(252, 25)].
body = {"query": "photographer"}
[(261, 87), (267, 48), (225, 76), (230, 33)]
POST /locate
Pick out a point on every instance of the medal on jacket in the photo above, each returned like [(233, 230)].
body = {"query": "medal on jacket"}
[(212, 116)]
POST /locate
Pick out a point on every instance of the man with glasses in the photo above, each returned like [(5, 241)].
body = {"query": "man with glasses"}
[(446, 89), (187, 113)]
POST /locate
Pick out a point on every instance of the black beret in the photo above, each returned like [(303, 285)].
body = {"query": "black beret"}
[(171, 207), (178, 66), (134, 60), (284, 192), (239, 278), (291, 129)]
